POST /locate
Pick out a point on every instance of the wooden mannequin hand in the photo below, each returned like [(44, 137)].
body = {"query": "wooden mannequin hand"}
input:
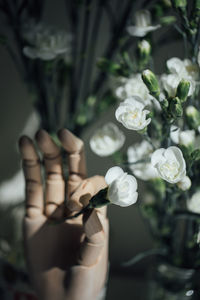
[(66, 260)]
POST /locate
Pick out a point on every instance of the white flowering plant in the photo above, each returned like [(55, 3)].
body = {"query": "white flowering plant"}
[(163, 108)]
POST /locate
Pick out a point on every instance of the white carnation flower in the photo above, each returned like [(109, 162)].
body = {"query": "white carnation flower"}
[(142, 24), (184, 184), (186, 137), (122, 188), (169, 163), (46, 42), (193, 204), (179, 69), (140, 151), (134, 86), (107, 140), (170, 83), (132, 115)]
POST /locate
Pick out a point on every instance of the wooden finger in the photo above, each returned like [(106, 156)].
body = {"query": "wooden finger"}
[(32, 174), (94, 242), (55, 185), (76, 158), (83, 193)]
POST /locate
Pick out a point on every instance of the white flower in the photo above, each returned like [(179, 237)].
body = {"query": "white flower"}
[(142, 24), (169, 163), (122, 188), (193, 204), (140, 151), (184, 184), (46, 42), (134, 86), (131, 113), (179, 69), (186, 137), (170, 83), (107, 140)]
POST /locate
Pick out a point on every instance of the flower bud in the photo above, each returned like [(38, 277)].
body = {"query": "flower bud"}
[(183, 90), (180, 3), (144, 49), (193, 117), (175, 107), (184, 184), (151, 82)]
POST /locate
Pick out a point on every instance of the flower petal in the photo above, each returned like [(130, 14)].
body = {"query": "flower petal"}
[(112, 174)]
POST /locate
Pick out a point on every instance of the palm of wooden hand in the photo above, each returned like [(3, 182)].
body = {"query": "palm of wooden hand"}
[(66, 260)]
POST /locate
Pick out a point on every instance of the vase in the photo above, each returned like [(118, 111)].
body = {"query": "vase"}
[(172, 283)]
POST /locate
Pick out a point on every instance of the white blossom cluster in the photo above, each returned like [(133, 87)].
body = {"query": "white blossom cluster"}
[(147, 160)]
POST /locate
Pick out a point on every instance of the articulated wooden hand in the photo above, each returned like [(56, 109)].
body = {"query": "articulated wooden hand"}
[(66, 260)]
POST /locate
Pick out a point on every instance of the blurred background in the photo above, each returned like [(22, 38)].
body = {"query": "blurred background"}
[(129, 234)]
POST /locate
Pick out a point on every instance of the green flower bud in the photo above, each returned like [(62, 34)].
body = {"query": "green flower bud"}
[(175, 107), (183, 90), (151, 82), (192, 117), (195, 155), (167, 20), (179, 3), (144, 49)]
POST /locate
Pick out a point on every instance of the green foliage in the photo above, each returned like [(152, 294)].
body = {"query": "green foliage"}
[(113, 68), (195, 155)]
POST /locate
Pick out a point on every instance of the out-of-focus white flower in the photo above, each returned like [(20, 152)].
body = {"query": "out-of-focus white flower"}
[(193, 204), (46, 42), (186, 137), (142, 24), (179, 69), (107, 140), (140, 151), (133, 86), (169, 163), (132, 115), (184, 184), (122, 188)]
